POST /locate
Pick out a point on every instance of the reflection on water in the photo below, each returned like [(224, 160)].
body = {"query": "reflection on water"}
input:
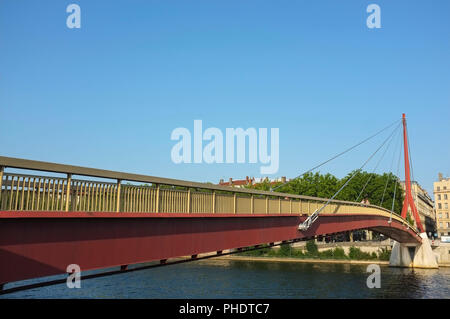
[(250, 279), (415, 283)]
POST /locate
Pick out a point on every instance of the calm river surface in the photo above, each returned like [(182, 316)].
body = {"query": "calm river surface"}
[(253, 279)]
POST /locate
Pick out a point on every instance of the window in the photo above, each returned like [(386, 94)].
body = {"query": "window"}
[(446, 215), (439, 206), (448, 225), (440, 215), (441, 224), (446, 207), (439, 197), (445, 187), (438, 188), (445, 196)]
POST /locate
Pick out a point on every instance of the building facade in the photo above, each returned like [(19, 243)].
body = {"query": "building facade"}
[(424, 205), (442, 199), (251, 181)]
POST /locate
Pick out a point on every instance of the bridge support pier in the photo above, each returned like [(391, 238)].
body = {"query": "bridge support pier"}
[(413, 255)]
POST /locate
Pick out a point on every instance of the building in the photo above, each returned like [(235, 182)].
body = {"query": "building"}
[(250, 181), (442, 199), (238, 183), (424, 205)]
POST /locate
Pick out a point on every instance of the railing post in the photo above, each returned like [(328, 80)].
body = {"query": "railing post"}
[(69, 182), (189, 200), (279, 205), (290, 205), (2, 169), (234, 203), (157, 198), (267, 204), (214, 202), (251, 205), (118, 196)]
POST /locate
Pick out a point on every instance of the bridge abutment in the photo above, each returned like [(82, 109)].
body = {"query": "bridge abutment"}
[(413, 255)]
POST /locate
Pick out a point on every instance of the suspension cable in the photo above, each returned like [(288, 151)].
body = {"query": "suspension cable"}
[(410, 155), (410, 164), (336, 156), (378, 163), (312, 218), (413, 192), (359, 169), (390, 168), (396, 184)]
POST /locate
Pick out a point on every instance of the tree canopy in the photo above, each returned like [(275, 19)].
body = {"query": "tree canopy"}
[(364, 185)]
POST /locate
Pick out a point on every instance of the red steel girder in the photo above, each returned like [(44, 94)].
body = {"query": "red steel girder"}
[(38, 244)]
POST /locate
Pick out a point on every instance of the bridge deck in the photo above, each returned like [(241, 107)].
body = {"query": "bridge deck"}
[(125, 192), (48, 222)]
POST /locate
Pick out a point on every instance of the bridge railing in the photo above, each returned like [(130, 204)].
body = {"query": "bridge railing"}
[(141, 193)]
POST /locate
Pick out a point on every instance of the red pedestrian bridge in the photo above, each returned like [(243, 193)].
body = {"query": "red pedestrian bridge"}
[(96, 219)]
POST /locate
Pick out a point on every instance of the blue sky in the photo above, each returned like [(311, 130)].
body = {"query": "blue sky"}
[(109, 94)]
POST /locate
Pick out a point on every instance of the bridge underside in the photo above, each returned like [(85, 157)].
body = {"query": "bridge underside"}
[(38, 244)]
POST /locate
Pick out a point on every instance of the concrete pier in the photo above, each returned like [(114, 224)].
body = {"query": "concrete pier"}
[(413, 255)]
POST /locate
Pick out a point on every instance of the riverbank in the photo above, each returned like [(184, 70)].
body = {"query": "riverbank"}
[(332, 253), (304, 260), (311, 251), (312, 260)]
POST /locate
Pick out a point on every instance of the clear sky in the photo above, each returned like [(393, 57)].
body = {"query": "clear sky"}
[(108, 95)]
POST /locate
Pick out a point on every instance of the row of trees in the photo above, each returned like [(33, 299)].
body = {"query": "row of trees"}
[(377, 189), (312, 251)]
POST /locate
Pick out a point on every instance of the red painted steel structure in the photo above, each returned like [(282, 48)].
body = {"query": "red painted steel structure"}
[(38, 244), (408, 195)]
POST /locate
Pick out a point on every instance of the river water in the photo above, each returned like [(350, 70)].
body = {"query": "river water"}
[(217, 279)]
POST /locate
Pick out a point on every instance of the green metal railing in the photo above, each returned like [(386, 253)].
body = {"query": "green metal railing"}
[(141, 193)]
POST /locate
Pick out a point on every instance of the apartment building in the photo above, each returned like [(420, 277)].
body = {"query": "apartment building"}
[(442, 200), (424, 205)]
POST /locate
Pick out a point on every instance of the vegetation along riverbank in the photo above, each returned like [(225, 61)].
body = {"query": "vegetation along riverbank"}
[(312, 253)]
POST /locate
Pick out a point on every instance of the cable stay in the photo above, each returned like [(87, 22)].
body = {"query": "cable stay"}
[(376, 166), (410, 161), (337, 155), (396, 184), (390, 168), (314, 216)]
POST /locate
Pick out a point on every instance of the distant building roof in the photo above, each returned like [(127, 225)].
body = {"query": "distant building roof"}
[(250, 181)]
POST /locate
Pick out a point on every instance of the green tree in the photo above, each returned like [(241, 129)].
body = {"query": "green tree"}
[(285, 250), (312, 248), (409, 219), (377, 189), (384, 254)]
